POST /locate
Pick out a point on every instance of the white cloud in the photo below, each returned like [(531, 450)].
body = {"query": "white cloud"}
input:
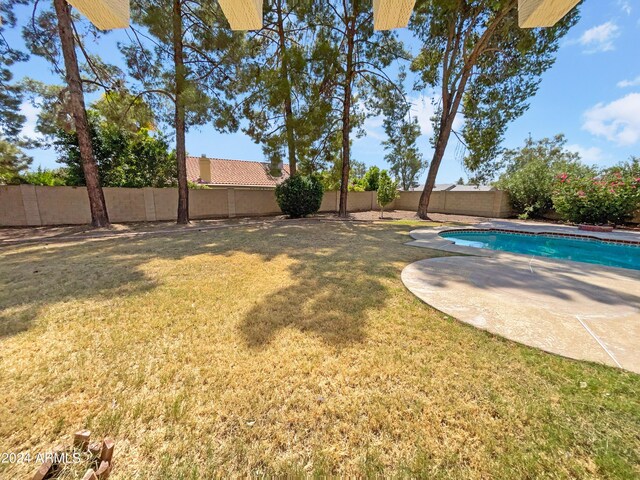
[(617, 121), (373, 127), (625, 6), (587, 154), (423, 109), (635, 82), (29, 127), (599, 38)]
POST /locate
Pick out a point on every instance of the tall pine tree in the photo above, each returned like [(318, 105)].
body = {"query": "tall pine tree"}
[(12, 159), (362, 56), (284, 85), (184, 57), (54, 35)]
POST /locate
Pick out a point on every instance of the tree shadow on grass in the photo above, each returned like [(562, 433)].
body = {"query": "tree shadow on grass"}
[(335, 270)]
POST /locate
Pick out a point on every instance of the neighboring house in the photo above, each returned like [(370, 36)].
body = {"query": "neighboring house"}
[(452, 187), (218, 172), (473, 188)]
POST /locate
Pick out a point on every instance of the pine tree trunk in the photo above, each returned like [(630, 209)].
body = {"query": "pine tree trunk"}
[(446, 125), (288, 110), (346, 118), (181, 150), (97, 204), (451, 101)]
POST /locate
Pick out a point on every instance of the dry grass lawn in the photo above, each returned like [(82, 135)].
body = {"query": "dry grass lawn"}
[(286, 350)]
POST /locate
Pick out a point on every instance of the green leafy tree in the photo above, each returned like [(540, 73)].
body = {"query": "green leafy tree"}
[(485, 66), (125, 158), (530, 171), (13, 161), (11, 94), (402, 130), (183, 59), (332, 176), (371, 179), (387, 191), (127, 111), (46, 177)]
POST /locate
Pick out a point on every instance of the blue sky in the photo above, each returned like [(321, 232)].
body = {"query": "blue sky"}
[(591, 94)]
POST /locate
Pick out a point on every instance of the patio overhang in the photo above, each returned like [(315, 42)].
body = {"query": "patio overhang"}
[(243, 14), (104, 14), (543, 13), (389, 14)]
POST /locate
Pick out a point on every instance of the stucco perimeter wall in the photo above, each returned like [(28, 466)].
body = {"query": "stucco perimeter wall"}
[(28, 205), (493, 204)]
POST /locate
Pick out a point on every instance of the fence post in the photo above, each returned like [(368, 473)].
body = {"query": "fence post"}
[(498, 199), (149, 204), (30, 204), (231, 202)]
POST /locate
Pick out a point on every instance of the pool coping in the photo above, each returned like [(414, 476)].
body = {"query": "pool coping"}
[(574, 236), (452, 284)]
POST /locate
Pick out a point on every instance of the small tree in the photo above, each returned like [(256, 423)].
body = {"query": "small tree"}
[(387, 191)]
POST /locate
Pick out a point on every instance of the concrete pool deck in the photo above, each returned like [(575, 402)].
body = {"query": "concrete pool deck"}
[(579, 310)]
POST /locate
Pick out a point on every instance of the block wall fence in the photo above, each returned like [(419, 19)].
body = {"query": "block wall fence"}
[(29, 205)]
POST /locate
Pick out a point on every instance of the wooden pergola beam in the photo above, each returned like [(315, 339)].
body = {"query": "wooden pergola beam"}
[(543, 13), (243, 14), (387, 14), (104, 14), (390, 14)]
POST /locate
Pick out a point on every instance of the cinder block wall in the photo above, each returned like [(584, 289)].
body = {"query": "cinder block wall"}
[(28, 205)]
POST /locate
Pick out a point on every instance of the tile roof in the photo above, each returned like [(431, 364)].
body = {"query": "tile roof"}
[(236, 172)]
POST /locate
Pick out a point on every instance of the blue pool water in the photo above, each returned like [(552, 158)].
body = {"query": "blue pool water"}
[(579, 250)]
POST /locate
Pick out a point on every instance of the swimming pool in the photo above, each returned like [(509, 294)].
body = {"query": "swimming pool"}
[(579, 249)]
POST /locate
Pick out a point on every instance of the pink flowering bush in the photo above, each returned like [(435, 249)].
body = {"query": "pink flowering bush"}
[(598, 197)]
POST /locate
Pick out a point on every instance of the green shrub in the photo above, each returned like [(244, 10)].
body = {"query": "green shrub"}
[(530, 173), (387, 191), (299, 196), (609, 196), (197, 186), (529, 189), (44, 176)]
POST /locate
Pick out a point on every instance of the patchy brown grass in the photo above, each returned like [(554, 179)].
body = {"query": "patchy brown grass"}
[(289, 350)]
